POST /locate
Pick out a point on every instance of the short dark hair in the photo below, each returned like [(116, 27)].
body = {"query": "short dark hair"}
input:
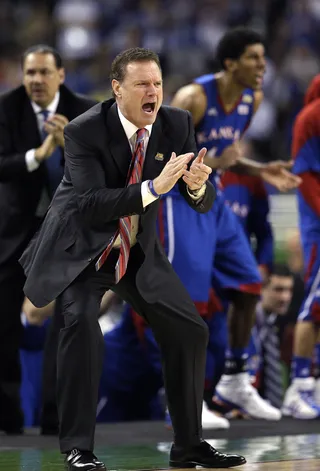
[(43, 49), (135, 54), (281, 270), (233, 44)]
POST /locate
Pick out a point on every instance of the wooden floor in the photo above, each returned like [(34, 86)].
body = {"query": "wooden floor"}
[(265, 453), (305, 465)]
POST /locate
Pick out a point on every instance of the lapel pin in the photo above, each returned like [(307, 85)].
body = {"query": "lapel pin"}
[(159, 157)]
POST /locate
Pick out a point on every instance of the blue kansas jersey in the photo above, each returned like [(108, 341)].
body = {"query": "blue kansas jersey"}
[(198, 244), (219, 128)]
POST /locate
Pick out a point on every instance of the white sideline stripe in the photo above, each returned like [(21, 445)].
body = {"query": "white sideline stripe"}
[(311, 296), (170, 222)]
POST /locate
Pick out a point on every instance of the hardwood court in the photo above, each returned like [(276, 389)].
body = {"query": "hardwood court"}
[(145, 446), (303, 465)]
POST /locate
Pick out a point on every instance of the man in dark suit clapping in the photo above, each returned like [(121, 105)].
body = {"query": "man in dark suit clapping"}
[(32, 120), (100, 234)]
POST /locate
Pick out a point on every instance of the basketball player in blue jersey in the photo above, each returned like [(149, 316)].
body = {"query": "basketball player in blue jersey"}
[(222, 106)]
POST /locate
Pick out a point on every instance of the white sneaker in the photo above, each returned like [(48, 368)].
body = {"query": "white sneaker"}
[(299, 400), (210, 420), (237, 391)]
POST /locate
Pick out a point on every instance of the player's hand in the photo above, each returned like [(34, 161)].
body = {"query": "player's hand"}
[(278, 175), (230, 156), (35, 315), (198, 174), (172, 171), (55, 125), (46, 149)]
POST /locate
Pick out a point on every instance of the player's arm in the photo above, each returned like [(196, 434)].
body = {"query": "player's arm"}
[(193, 99), (275, 173), (37, 315)]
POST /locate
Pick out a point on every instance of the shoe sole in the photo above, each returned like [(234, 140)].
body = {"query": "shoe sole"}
[(194, 464), (215, 427), (101, 468), (288, 412), (236, 406)]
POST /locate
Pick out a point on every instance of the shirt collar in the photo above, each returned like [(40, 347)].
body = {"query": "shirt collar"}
[(129, 128), (51, 108), (263, 316)]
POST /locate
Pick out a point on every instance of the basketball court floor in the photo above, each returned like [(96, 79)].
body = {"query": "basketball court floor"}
[(284, 446)]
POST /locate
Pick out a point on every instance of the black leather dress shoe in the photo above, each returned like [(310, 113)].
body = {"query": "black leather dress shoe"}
[(78, 460), (202, 455)]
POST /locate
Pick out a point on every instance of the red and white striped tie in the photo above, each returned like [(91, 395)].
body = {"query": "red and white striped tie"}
[(125, 223)]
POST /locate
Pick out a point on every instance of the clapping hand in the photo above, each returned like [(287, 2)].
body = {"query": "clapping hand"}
[(198, 174), (55, 125), (172, 171), (46, 149)]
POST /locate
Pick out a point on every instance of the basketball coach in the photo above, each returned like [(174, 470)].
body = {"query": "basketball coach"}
[(100, 234)]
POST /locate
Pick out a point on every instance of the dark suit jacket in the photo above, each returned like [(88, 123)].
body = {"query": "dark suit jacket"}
[(20, 190), (85, 211)]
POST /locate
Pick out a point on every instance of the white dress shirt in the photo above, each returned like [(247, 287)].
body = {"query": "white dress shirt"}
[(147, 198), (31, 162)]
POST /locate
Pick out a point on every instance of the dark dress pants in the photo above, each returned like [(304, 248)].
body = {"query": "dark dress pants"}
[(179, 330), (11, 298), (49, 411)]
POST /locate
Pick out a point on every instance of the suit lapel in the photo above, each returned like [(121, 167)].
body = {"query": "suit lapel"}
[(118, 142), (158, 144), (61, 108), (29, 132), (120, 148), (66, 105)]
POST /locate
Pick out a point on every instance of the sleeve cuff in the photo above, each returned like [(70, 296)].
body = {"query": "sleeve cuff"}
[(147, 197), (197, 194), (31, 161)]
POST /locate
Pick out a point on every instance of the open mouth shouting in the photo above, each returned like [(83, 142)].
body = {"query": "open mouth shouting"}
[(149, 108)]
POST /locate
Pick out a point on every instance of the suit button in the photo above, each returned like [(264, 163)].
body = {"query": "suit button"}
[(89, 259)]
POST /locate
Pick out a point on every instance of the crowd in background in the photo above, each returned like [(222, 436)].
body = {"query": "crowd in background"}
[(89, 33), (185, 33)]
